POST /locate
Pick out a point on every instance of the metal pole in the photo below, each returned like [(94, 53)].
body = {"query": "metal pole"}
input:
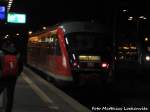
[(139, 44)]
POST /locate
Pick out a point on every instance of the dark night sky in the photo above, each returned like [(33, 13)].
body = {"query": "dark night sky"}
[(48, 12), (51, 12)]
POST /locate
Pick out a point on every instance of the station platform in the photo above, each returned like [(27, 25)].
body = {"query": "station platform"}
[(34, 94)]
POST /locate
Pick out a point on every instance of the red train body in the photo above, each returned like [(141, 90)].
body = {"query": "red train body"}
[(71, 49)]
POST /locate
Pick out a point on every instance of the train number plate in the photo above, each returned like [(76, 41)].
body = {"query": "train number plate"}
[(90, 64)]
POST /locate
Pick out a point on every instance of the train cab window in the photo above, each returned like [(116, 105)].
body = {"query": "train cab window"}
[(54, 45), (88, 42)]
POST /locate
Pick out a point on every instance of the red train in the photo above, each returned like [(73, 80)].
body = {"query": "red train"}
[(72, 50)]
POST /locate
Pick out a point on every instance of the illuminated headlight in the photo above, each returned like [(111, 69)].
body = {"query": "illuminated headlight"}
[(147, 58)]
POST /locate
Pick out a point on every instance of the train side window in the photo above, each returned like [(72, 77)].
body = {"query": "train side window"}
[(54, 45)]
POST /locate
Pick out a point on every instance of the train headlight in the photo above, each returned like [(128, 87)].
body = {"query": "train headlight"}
[(147, 58)]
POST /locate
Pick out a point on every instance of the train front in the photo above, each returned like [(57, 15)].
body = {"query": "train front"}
[(89, 49)]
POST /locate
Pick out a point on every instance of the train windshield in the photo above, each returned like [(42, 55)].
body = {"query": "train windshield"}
[(85, 43)]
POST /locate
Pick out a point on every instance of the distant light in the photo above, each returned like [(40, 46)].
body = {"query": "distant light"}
[(10, 2), (9, 5), (6, 36), (141, 17), (30, 32), (115, 58), (147, 58), (44, 28), (121, 57), (132, 47), (125, 47), (146, 39), (130, 18), (17, 34), (124, 10)]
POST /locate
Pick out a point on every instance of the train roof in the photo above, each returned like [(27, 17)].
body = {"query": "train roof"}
[(80, 26)]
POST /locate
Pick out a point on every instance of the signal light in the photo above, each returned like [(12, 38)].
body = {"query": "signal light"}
[(104, 65)]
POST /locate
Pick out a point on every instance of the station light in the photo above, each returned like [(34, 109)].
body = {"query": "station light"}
[(10, 2), (125, 47), (147, 58), (137, 18), (30, 32), (146, 39), (130, 18), (9, 6), (6, 36), (142, 17), (17, 34), (133, 47), (124, 10), (44, 28)]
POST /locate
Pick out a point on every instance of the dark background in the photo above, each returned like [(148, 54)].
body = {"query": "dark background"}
[(46, 12), (51, 12)]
